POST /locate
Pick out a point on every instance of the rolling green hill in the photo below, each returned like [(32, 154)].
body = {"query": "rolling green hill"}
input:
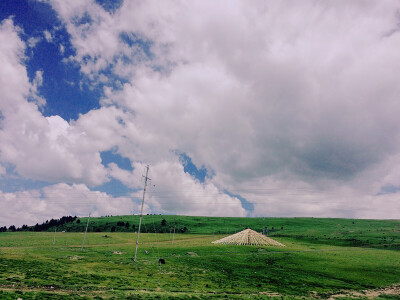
[(322, 258), (346, 232)]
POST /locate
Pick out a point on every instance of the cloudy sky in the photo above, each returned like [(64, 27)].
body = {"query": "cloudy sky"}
[(241, 108)]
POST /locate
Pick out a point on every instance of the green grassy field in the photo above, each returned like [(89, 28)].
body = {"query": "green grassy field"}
[(322, 257)]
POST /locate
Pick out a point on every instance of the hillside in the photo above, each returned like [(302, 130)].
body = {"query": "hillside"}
[(322, 258), (346, 232)]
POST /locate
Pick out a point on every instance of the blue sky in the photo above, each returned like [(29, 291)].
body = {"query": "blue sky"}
[(237, 111), (61, 88)]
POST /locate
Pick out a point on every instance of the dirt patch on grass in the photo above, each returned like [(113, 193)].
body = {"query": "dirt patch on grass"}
[(75, 257), (393, 290), (143, 293)]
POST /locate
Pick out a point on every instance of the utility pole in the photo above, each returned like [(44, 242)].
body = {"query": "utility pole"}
[(141, 210), (84, 237), (54, 237), (265, 228)]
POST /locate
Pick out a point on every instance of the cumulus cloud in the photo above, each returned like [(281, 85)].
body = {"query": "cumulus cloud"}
[(42, 148), (285, 81), (258, 92), (291, 105), (289, 197), (92, 31), (171, 190), (54, 201)]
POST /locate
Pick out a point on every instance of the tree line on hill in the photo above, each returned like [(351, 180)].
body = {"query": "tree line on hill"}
[(40, 227), (74, 224), (122, 226)]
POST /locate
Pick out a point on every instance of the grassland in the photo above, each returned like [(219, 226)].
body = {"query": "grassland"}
[(322, 257)]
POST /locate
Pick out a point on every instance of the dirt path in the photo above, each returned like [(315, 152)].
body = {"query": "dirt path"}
[(393, 290), (156, 292)]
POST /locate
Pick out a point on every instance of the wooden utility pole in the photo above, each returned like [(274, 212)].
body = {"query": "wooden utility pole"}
[(173, 236), (141, 210), (54, 237), (84, 237)]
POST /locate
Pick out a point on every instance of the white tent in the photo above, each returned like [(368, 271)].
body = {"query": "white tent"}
[(248, 237)]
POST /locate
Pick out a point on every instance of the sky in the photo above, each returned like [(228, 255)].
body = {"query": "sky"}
[(240, 108)]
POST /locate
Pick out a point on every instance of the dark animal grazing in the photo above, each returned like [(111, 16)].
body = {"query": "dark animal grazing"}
[(161, 261)]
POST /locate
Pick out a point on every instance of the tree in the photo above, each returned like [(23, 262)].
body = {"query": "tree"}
[(163, 222), (113, 229), (11, 228)]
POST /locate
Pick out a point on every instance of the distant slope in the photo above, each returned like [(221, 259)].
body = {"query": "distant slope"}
[(346, 232)]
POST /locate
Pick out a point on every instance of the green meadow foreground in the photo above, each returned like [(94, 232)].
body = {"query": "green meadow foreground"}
[(323, 258)]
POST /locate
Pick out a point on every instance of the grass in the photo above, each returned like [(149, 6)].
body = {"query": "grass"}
[(322, 257)]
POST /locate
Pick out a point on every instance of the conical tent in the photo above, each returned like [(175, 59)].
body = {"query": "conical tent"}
[(248, 237)]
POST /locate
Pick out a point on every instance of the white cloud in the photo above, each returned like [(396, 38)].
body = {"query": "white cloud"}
[(288, 197), (292, 105), (171, 190), (257, 92), (37, 82), (42, 148), (62, 49), (88, 20), (124, 176), (36, 206), (32, 42), (48, 36), (13, 78)]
